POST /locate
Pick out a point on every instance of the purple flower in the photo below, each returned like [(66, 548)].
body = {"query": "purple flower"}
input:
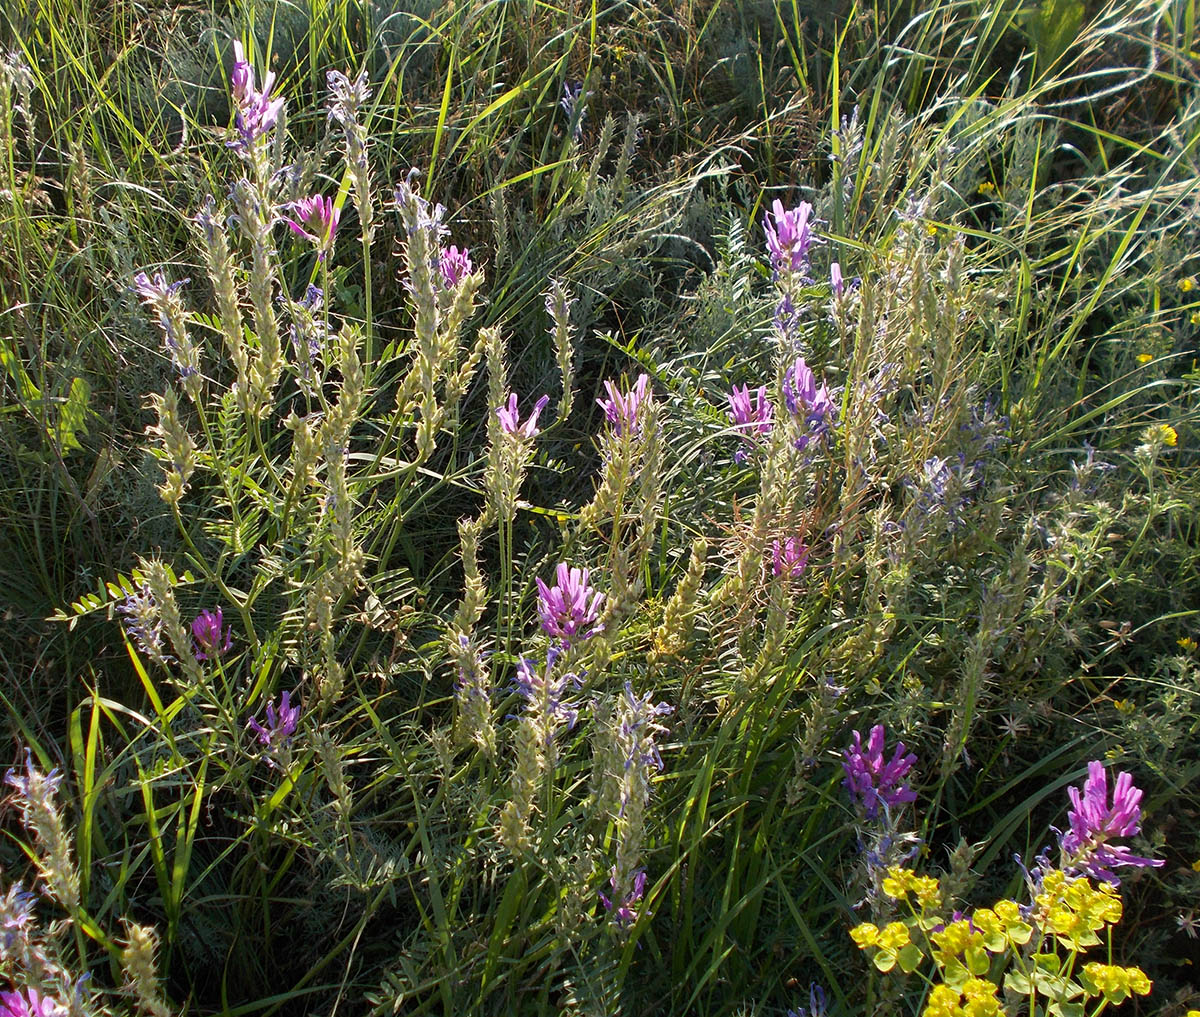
[(624, 913), (257, 112), (210, 637), (510, 422), (454, 266), (790, 558), (547, 690), (572, 103), (871, 779), (281, 723), (789, 236), (143, 623), (570, 609), (318, 221), (807, 400), (1094, 822), (621, 408), (16, 916), (751, 418), (29, 1003), (816, 1003), (835, 279)]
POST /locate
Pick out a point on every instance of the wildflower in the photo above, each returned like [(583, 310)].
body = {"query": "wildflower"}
[(621, 408), (163, 299), (987, 187), (546, 693), (751, 419), (1095, 822), (1187, 284), (623, 911), (817, 1003), (570, 609), (454, 265), (1188, 923), (806, 400), (143, 623), (789, 236), (16, 917), (790, 558), (1187, 644), (257, 112), (510, 422), (572, 103), (835, 279), (281, 723), (1114, 982), (346, 96), (870, 779), (1145, 358), (29, 1003), (210, 638), (318, 221), (36, 799)]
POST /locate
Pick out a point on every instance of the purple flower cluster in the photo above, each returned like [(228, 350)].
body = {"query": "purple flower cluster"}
[(29, 1003), (1095, 822), (547, 690), (210, 636), (623, 911), (789, 236), (751, 417), (454, 265), (316, 220), (789, 557), (621, 408), (817, 1003), (510, 420), (570, 610), (257, 113), (280, 726), (143, 623), (808, 402), (162, 298), (573, 105), (872, 779)]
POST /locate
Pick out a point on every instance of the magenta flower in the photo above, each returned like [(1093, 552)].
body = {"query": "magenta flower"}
[(835, 279), (569, 610), (871, 779), (510, 421), (454, 266), (807, 400), (624, 913), (751, 418), (281, 723), (318, 222), (257, 112), (790, 558), (621, 408), (1095, 822), (208, 636), (789, 236), (29, 1003)]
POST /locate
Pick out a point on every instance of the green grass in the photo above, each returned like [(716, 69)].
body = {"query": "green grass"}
[(1003, 549)]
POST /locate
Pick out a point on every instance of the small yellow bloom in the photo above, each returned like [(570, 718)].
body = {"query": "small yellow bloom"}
[(893, 936), (1196, 865), (1195, 320), (987, 187), (1187, 644), (943, 1002), (1187, 284), (1145, 358), (865, 935)]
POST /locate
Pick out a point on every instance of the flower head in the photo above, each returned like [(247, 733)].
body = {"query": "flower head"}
[(454, 266), (621, 408), (510, 421), (751, 417), (789, 557), (623, 911), (209, 635), (835, 279), (573, 105), (257, 112), (316, 220), (789, 236), (29, 1003), (872, 779), (1095, 822), (806, 399), (570, 610), (281, 723), (143, 623)]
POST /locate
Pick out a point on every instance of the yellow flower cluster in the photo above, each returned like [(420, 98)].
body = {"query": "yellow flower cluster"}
[(899, 883), (891, 937), (977, 998), (1075, 910), (1115, 982)]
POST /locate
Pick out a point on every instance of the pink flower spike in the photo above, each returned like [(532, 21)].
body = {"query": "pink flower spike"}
[(790, 558), (570, 610), (454, 266), (621, 408), (1095, 822), (751, 418)]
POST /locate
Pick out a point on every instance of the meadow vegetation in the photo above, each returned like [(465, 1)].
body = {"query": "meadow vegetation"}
[(516, 508)]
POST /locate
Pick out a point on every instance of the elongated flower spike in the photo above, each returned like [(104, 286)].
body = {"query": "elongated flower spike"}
[(621, 408), (257, 113), (789, 236), (751, 417), (871, 779)]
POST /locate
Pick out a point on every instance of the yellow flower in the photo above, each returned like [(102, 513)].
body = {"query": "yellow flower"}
[(1161, 434), (1195, 320), (893, 936), (1187, 644), (1115, 982), (1196, 865), (1187, 284), (943, 1002), (1145, 358), (980, 997), (865, 935), (987, 187)]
